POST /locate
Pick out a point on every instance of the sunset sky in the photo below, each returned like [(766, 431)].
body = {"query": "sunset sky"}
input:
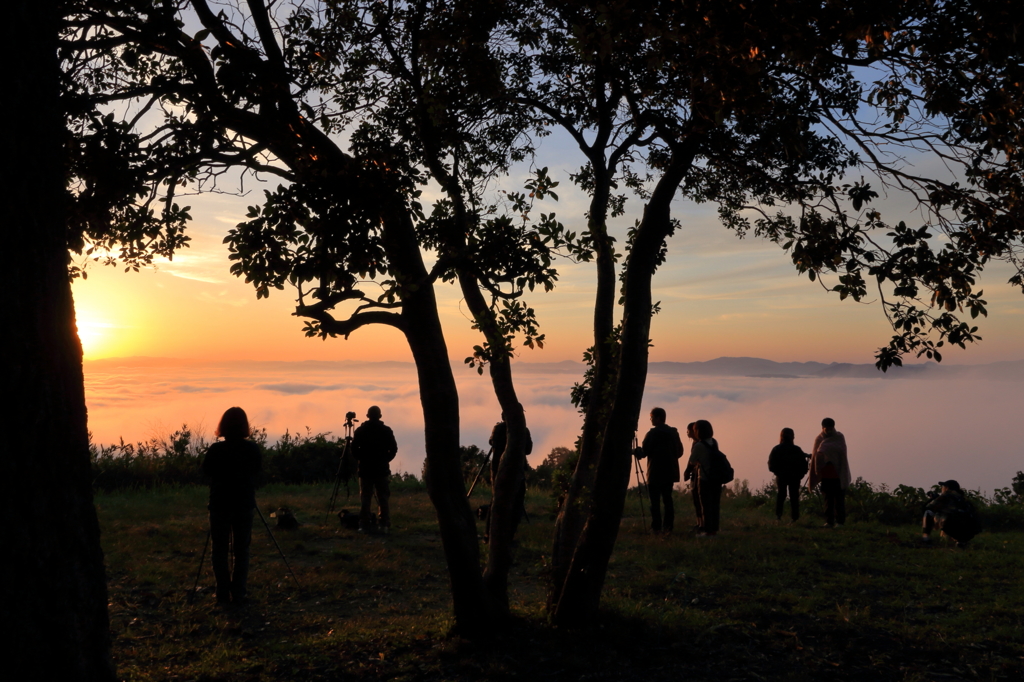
[(721, 296)]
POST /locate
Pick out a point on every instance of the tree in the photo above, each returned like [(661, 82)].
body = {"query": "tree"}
[(756, 106), (344, 220), (232, 102), (54, 588)]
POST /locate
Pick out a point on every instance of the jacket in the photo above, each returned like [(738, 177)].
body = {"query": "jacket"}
[(232, 466), (829, 449), (662, 447), (374, 446)]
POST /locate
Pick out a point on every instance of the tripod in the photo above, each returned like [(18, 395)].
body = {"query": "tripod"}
[(202, 558), (639, 478), (341, 473), (482, 467)]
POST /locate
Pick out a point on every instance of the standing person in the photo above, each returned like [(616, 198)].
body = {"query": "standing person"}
[(662, 447), (232, 465), (498, 441), (374, 446), (709, 488), (789, 464), (830, 467), (691, 475)]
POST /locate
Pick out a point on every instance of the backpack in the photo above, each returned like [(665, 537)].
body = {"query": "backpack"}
[(721, 471), (961, 523)]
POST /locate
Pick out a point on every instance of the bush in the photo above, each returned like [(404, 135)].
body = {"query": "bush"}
[(177, 460), (174, 460), (309, 459)]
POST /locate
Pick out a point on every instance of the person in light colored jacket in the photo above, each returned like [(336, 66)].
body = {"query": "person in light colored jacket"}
[(831, 468)]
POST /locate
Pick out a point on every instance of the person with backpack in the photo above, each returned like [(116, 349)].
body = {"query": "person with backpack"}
[(662, 447), (950, 513), (831, 468), (712, 470), (374, 446), (690, 475), (789, 464)]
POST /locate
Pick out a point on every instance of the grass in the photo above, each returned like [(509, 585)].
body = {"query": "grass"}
[(760, 601)]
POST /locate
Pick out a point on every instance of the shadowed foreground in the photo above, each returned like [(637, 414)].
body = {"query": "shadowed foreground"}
[(761, 601)]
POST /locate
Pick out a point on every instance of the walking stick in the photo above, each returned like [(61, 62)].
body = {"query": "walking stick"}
[(267, 526), (202, 559), (640, 477), (482, 467)]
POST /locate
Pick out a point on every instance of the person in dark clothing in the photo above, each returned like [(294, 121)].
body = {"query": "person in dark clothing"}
[(708, 487), (232, 465), (497, 441), (789, 464), (662, 447), (951, 514), (374, 446), (691, 475)]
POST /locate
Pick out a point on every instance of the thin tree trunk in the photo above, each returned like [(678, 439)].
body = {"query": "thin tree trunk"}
[(474, 610), (581, 593), (576, 508), (54, 588)]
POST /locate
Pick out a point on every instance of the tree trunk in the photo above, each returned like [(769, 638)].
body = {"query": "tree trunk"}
[(54, 588), (474, 610), (581, 592), (576, 508)]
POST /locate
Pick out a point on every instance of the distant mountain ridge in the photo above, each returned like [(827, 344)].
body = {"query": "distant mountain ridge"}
[(769, 369), (1012, 370)]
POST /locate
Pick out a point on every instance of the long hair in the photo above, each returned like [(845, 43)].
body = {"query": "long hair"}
[(234, 424), (787, 436), (703, 429)]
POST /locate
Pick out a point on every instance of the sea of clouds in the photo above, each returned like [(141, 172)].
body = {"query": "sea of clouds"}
[(916, 429)]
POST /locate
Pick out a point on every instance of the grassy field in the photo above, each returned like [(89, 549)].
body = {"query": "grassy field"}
[(762, 601)]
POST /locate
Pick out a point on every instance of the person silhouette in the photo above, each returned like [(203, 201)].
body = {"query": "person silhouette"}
[(232, 465)]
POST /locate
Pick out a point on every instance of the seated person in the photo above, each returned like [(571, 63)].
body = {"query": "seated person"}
[(951, 513)]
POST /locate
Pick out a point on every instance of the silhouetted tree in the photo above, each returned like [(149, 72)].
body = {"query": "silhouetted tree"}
[(756, 106), (54, 589)]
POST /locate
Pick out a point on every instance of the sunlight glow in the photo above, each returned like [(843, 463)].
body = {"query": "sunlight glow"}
[(96, 334)]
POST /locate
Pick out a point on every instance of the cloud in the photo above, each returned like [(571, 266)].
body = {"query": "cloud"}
[(913, 430), (222, 297)]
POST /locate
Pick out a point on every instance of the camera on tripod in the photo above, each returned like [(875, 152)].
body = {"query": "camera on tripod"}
[(350, 419)]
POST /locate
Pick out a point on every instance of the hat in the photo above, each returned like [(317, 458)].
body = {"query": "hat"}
[(951, 484)]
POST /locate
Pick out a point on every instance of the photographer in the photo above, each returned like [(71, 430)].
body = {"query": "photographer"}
[(662, 447), (950, 513), (374, 446), (232, 465)]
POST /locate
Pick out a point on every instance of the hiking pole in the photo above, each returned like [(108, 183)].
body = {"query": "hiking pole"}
[(639, 477), (267, 526), (199, 571), (482, 467)]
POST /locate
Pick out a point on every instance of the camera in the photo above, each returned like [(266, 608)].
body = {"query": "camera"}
[(350, 419)]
